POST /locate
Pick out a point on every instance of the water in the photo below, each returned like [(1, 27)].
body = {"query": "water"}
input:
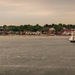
[(36, 56)]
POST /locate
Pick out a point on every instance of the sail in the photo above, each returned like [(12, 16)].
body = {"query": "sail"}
[(72, 38)]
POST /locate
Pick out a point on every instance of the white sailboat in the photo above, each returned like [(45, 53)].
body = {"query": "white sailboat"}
[(72, 39)]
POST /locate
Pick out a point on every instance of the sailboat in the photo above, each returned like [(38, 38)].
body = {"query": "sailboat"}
[(72, 39)]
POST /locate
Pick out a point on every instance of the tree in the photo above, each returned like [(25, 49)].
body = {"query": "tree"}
[(37, 27), (58, 28)]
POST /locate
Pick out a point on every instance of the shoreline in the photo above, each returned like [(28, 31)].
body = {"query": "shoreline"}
[(34, 36)]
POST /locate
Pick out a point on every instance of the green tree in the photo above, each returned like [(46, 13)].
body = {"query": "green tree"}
[(58, 28), (37, 27)]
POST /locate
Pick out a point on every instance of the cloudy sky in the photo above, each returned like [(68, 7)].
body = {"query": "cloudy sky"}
[(17, 12)]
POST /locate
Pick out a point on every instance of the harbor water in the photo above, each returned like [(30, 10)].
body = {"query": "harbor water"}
[(36, 56)]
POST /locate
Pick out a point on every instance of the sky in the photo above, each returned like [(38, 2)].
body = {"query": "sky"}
[(20, 12)]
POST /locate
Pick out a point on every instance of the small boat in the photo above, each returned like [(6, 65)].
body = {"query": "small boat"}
[(72, 39)]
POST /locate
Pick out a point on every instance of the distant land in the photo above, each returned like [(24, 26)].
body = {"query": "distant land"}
[(47, 29)]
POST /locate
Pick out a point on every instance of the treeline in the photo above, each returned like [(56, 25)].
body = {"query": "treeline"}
[(37, 27), (32, 28)]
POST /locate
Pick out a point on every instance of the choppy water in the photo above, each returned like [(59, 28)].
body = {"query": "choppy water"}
[(36, 56)]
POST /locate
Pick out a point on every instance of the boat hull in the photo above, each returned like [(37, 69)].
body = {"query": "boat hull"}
[(72, 41)]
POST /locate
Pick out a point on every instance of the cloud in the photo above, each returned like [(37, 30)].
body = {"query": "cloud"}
[(33, 11)]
